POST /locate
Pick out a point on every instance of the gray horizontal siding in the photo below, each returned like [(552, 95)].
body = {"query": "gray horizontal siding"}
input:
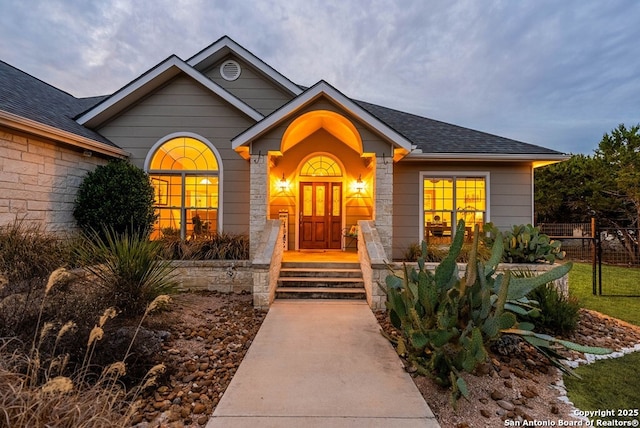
[(185, 106), (510, 196), (254, 89)]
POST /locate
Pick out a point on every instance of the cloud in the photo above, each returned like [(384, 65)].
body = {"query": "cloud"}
[(559, 74)]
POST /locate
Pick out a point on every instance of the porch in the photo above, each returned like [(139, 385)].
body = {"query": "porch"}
[(350, 274)]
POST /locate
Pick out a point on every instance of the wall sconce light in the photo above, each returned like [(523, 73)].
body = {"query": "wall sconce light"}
[(283, 184), (359, 184)]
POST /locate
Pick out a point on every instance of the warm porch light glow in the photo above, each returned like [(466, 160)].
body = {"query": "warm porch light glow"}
[(359, 184), (358, 187), (283, 184)]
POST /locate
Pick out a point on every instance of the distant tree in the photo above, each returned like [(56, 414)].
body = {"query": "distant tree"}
[(618, 156), (605, 185), (563, 191)]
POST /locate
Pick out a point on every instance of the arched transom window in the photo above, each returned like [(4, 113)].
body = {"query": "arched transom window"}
[(321, 166), (185, 175)]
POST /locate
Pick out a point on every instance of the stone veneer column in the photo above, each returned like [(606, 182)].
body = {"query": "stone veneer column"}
[(384, 202), (257, 201)]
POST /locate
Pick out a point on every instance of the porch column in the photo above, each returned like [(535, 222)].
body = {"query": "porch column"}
[(384, 202), (257, 201)]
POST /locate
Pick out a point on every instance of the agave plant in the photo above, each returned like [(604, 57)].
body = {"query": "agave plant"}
[(447, 321)]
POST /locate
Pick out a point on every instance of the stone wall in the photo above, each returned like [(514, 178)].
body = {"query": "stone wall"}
[(257, 200), (384, 202), (39, 180), (266, 264), (225, 276), (372, 257)]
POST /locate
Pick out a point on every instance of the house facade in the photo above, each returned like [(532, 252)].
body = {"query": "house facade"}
[(230, 144)]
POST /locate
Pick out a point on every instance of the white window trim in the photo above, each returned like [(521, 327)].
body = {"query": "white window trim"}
[(216, 153), (454, 175)]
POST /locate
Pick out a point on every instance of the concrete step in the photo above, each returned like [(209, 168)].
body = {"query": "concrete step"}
[(314, 280), (320, 273), (320, 265), (305, 282), (320, 293)]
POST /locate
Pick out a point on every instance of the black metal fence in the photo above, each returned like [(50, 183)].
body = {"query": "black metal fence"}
[(589, 243), (578, 239)]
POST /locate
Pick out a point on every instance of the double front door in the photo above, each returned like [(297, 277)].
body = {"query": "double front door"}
[(320, 215)]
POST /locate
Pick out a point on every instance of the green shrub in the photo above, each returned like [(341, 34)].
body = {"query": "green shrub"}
[(525, 244), (446, 322), (117, 196), (558, 314), (130, 267)]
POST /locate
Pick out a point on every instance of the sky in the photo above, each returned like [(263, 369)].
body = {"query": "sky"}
[(559, 74)]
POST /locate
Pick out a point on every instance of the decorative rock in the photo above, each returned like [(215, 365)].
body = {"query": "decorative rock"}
[(485, 413), (508, 384), (505, 405), (483, 400), (199, 408), (497, 395), (530, 392), (504, 373), (555, 410)]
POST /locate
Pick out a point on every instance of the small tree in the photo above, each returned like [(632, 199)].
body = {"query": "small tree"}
[(118, 196)]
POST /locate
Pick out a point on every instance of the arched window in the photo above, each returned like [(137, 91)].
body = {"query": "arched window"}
[(321, 166), (185, 175)]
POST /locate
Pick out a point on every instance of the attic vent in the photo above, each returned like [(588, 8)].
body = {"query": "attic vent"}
[(230, 70)]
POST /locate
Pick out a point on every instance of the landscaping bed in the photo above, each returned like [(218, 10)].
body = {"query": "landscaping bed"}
[(523, 385), (211, 332)]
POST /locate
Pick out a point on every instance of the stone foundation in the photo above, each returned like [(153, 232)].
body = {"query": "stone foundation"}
[(225, 276)]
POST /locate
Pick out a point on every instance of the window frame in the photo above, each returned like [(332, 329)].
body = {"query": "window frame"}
[(454, 175), (183, 173)]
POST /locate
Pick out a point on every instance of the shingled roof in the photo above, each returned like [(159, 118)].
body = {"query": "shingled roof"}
[(26, 96), (432, 136)]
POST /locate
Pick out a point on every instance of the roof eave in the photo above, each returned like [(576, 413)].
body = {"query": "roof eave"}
[(308, 97), (151, 80), (538, 159), (33, 127)]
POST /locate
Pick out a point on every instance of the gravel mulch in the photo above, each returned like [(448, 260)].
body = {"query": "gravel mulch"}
[(211, 332)]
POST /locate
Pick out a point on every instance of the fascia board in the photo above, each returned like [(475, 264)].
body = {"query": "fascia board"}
[(225, 45), (20, 123), (321, 88), (151, 80), (486, 157)]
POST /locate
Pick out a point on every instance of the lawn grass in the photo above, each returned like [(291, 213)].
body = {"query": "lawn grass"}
[(617, 283), (606, 384), (613, 383)]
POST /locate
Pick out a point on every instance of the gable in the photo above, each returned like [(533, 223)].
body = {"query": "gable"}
[(251, 86), (181, 105), (398, 145), (151, 81), (225, 47)]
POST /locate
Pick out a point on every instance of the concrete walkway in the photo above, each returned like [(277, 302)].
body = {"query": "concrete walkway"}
[(321, 364)]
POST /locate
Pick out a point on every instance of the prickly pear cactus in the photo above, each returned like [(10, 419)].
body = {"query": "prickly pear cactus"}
[(526, 244)]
